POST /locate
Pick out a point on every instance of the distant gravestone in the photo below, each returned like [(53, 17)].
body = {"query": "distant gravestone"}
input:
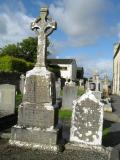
[(87, 120), (69, 95), (7, 99), (58, 88), (22, 83), (97, 94)]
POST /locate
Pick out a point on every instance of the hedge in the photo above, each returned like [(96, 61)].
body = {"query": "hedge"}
[(12, 64)]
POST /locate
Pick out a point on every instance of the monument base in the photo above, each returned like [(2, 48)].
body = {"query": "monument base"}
[(89, 152), (46, 139)]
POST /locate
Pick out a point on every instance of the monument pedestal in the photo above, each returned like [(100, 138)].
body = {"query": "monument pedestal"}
[(38, 114), (35, 138)]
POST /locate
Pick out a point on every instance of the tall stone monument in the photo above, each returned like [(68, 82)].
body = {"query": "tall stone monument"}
[(38, 114)]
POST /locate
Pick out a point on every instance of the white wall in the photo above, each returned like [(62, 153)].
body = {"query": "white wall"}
[(70, 72), (116, 74)]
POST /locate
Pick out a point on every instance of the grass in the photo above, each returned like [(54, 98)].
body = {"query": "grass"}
[(80, 92), (106, 131), (65, 114), (18, 99)]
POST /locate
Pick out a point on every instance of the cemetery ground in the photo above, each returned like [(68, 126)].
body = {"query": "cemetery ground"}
[(111, 137)]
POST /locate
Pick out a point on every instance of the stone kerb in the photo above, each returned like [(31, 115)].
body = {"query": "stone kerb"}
[(87, 120)]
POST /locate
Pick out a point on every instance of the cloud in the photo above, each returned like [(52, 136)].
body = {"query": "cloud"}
[(90, 64), (84, 22), (14, 24)]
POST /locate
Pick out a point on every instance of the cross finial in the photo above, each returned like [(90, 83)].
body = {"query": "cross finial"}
[(44, 26)]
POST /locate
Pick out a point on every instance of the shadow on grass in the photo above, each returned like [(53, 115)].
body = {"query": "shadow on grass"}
[(112, 139)]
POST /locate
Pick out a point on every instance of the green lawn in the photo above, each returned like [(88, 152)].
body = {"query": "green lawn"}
[(80, 92), (106, 131), (65, 114)]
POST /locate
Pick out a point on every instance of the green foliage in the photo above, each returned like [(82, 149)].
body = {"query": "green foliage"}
[(18, 99), (80, 91), (11, 50), (65, 114), (80, 72), (106, 131), (55, 69), (12, 64), (27, 49)]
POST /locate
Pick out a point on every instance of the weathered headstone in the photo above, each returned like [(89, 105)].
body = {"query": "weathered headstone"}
[(58, 88), (69, 95), (81, 82), (38, 115), (7, 99), (87, 120), (22, 83), (86, 129), (97, 94)]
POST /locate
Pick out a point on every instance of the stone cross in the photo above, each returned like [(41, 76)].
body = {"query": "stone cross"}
[(44, 26)]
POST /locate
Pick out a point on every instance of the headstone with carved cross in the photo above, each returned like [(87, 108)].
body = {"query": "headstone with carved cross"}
[(38, 113)]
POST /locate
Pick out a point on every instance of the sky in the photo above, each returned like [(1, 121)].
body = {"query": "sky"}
[(86, 29)]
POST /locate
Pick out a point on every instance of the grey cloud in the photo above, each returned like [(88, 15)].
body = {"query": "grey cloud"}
[(3, 26), (14, 24)]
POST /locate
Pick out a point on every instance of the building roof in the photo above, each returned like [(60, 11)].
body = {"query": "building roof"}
[(60, 61)]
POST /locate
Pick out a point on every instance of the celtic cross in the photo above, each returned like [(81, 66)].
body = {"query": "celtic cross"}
[(44, 26)]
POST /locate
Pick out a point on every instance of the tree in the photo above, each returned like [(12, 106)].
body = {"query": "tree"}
[(27, 49), (11, 50)]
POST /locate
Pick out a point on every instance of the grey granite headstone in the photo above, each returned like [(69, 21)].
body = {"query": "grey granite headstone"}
[(69, 95), (7, 99), (37, 125)]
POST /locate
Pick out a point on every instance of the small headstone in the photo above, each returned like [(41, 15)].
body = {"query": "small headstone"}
[(81, 82), (58, 88), (7, 99), (22, 83), (97, 94), (87, 120), (69, 95)]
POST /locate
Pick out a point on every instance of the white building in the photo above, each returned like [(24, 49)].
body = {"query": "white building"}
[(116, 69), (68, 67)]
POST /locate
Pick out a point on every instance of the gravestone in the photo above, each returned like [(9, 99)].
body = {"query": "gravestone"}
[(86, 129), (7, 99), (22, 83), (37, 125), (58, 88), (97, 94), (81, 82), (69, 95)]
